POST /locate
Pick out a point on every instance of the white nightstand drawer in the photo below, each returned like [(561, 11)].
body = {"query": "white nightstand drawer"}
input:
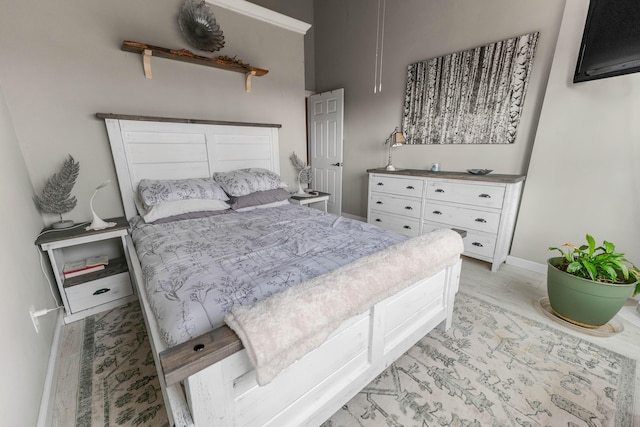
[(402, 225), (96, 292), (470, 194), (397, 205), (463, 217), (398, 186)]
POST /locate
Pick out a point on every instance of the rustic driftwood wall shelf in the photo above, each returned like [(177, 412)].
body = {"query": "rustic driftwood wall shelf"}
[(147, 51)]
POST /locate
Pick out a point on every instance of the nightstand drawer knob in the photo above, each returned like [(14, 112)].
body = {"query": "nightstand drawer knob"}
[(378, 220), (480, 245), (410, 187), (481, 220), (409, 208), (484, 196), (379, 183), (407, 227), (437, 213), (378, 202), (439, 190), (101, 291)]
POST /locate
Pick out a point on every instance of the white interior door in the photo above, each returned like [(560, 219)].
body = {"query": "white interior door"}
[(326, 116)]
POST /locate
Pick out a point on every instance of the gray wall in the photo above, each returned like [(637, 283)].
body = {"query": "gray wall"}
[(583, 176), (345, 34), (25, 353), (301, 10), (61, 62)]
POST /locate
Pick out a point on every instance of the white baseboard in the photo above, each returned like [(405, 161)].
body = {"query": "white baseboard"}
[(45, 415), (526, 264), (357, 218)]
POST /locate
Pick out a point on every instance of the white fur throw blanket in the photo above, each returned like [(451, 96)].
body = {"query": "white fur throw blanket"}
[(281, 329)]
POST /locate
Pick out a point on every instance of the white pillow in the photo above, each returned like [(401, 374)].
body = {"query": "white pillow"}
[(179, 207), (156, 191), (241, 182)]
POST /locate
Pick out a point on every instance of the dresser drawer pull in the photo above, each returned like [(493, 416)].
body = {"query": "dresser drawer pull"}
[(408, 208), (484, 196), (437, 213), (407, 227), (378, 202), (439, 190), (481, 220), (410, 187), (101, 291), (378, 220), (478, 244), (380, 183)]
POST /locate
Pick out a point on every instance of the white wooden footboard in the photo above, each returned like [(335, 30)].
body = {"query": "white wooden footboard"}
[(312, 389)]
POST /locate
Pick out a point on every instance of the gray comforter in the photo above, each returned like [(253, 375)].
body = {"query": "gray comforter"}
[(196, 270)]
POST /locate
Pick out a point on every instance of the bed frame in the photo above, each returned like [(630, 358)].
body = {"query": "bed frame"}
[(209, 381)]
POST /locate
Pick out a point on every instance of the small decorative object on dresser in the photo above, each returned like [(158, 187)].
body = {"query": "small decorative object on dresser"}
[(102, 281), (415, 202), (56, 196), (396, 139)]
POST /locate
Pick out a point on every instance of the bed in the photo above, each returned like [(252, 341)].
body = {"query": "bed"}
[(375, 295)]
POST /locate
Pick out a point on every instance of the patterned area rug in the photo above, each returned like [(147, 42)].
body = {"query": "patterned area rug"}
[(494, 367), (497, 368), (118, 381)]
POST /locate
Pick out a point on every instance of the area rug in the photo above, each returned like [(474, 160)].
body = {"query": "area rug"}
[(495, 367), (118, 382)]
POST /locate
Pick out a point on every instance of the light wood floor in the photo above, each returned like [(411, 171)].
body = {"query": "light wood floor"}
[(511, 287)]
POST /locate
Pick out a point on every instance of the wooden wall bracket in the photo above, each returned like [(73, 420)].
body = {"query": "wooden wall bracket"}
[(184, 55), (146, 62)]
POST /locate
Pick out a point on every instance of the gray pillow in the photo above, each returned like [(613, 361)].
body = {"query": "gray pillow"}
[(259, 198), (241, 182), (153, 192)]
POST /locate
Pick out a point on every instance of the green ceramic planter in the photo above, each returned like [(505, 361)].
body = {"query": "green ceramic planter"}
[(582, 301)]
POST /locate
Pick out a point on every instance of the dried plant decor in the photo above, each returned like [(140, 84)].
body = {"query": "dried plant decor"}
[(56, 195)]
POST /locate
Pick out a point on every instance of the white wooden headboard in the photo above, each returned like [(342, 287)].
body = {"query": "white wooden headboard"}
[(160, 148)]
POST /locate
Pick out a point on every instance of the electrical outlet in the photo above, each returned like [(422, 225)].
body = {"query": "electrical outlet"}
[(34, 319)]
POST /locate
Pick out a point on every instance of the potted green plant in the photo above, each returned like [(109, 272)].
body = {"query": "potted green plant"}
[(588, 285)]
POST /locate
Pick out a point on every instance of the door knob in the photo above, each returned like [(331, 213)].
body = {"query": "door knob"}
[(337, 164)]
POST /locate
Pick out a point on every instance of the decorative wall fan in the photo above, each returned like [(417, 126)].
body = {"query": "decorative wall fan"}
[(199, 26)]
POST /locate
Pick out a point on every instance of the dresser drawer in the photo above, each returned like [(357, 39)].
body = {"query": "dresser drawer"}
[(402, 225), (464, 218), (100, 291), (398, 186), (470, 194), (475, 244), (397, 205), (479, 244)]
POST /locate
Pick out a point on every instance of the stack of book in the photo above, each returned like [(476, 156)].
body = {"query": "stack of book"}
[(85, 266)]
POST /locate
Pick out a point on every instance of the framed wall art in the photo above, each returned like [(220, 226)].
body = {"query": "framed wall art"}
[(470, 97)]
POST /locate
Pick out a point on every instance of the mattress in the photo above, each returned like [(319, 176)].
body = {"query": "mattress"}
[(196, 270)]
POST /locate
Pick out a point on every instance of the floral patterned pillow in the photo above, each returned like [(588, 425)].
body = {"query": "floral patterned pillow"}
[(241, 182), (153, 192)]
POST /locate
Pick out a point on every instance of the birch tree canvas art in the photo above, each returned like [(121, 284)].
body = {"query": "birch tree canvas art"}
[(470, 97)]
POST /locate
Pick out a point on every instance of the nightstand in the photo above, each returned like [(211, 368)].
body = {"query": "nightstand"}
[(94, 292), (307, 200)]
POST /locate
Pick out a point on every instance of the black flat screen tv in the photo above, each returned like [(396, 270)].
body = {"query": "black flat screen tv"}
[(611, 40)]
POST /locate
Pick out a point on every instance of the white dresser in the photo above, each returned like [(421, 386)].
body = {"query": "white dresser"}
[(413, 202)]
